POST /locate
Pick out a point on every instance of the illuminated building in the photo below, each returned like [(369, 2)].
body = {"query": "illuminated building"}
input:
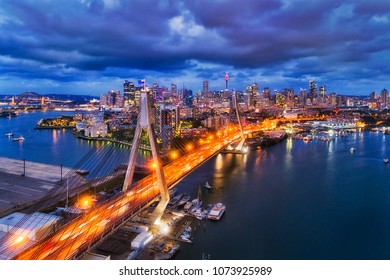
[(128, 92), (384, 98), (205, 87), (312, 90)]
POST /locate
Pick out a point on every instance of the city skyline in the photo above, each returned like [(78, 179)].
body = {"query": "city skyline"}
[(88, 47)]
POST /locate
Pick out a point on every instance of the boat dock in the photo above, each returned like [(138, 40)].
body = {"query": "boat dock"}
[(24, 182)]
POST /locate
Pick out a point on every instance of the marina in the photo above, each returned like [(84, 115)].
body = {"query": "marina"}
[(137, 239)]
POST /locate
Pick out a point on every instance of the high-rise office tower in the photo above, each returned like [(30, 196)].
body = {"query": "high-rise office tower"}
[(174, 89), (384, 98), (312, 90), (128, 91), (205, 87)]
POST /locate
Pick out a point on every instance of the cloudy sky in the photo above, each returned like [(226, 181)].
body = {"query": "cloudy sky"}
[(92, 46)]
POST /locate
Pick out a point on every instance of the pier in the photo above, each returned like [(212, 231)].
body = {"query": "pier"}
[(24, 182)]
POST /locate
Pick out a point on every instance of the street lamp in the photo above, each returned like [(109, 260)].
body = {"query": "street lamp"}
[(61, 172), (24, 167)]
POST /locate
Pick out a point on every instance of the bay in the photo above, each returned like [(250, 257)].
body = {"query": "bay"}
[(298, 200)]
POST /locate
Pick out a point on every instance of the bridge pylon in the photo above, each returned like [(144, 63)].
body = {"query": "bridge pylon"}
[(145, 122), (234, 106)]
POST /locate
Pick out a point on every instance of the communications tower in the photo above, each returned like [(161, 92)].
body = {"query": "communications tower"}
[(226, 80)]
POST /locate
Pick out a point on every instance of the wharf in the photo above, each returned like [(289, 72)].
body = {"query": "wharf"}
[(180, 227), (18, 191)]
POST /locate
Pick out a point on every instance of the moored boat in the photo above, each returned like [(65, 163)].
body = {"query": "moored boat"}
[(172, 202), (172, 192), (385, 160), (196, 204), (184, 200), (82, 171), (199, 214), (20, 138), (207, 185), (188, 206), (352, 150), (217, 211), (207, 209)]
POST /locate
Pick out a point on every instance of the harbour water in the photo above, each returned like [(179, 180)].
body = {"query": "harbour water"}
[(57, 146), (298, 200), (294, 200), (54, 147)]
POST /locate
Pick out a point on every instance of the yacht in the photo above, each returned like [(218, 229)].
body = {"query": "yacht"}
[(172, 202), (196, 204), (199, 214), (385, 160), (184, 200), (217, 211), (352, 150), (20, 138), (9, 134), (193, 205), (172, 192), (188, 205), (207, 209), (82, 171)]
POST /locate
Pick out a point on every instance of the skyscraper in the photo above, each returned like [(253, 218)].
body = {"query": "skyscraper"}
[(323, 93), (205, 87), (128, 92), (384, 98), (312, 90), (302, 97), (174, 89), (255, 89), (266, 93)]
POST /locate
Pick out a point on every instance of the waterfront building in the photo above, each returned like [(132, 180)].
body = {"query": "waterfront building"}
[(96, 129)]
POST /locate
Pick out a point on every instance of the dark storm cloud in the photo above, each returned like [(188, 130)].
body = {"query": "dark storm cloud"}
[(87, 39)]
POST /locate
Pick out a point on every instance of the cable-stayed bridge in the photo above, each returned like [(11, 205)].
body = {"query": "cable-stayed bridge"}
[(76, 236)]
